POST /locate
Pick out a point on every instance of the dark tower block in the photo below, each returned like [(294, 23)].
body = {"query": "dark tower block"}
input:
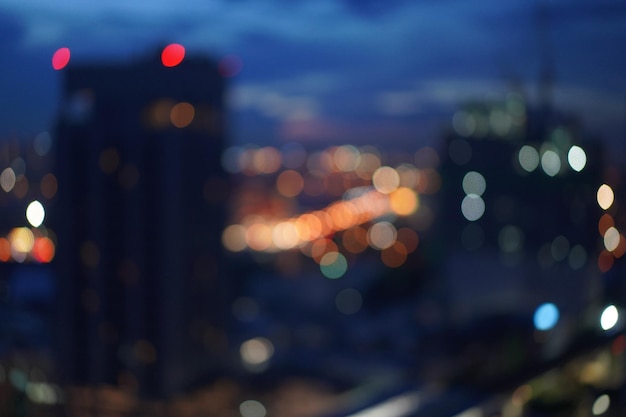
[(139, 219)]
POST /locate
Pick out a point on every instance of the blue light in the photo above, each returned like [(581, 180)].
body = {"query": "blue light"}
[(546, 316)]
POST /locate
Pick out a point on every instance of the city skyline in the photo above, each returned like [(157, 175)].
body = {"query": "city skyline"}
[(393, 72)]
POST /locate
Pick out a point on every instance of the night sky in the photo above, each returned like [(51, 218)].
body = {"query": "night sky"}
[(358, 71)]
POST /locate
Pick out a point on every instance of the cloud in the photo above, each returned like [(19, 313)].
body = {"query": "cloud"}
[(12, 30)]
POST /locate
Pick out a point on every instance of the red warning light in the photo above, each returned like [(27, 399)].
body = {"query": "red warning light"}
[(172, 55), (61, 58)]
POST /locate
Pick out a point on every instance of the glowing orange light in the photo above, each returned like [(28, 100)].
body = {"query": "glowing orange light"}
[(182, 114), (341, 215), (605, 222), (619, 345), (48, 186), (605, 260), (394, 256), (5, 250), (289, 183), (43, 250), (404, 201), (172, 55), (321, 247), (355, 239), (61, 58), (408, 237), (259, 236), (234, 238), (309, 227)]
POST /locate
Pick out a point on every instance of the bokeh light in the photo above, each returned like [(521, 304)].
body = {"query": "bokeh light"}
[(409, 238), (546, 316), (354, 240), (48, 185), (285, 235), (528, 158), (382, 235), (511, 239), (605, 196), (259, 236), (333, 265), (182, 114), (369, 163), (385, 179), (60, 58), (577, 158), (611, 239), (463, 123), (251, 408), (609, 317), (7, 179), (347, 158), (577, 257), (290, 183), (472, 207), (395, 255), (5, 250), (35, 213), (606, 221), (403, 201), (42, 143), (550, 162), (256, 351), (234, 238), (601, 405), (172, 55), (474, 183)]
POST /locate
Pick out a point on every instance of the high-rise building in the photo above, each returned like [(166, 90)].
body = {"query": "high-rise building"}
[(138, 219), (519, 214)]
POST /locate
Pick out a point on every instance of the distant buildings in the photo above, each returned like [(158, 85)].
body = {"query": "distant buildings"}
[(139, 219), (519, 213)]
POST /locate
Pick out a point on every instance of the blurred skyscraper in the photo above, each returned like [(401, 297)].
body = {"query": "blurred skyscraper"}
[(139, 220), (519, 211)]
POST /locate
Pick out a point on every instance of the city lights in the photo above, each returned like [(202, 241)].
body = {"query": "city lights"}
[(551, 163), (251, 408), (182, 114), (546, 316), (472, 207), (333, 265), (60, 58), (172, 55), (611, 239), (7, 179), (35, 213), (609, 318), (474, 183), (605, 196), (386, 179), (255, 353), (298, 259), (577, 158), (601, 405), (528, 158)]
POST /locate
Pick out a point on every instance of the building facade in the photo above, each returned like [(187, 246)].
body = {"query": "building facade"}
[(139, 219)]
